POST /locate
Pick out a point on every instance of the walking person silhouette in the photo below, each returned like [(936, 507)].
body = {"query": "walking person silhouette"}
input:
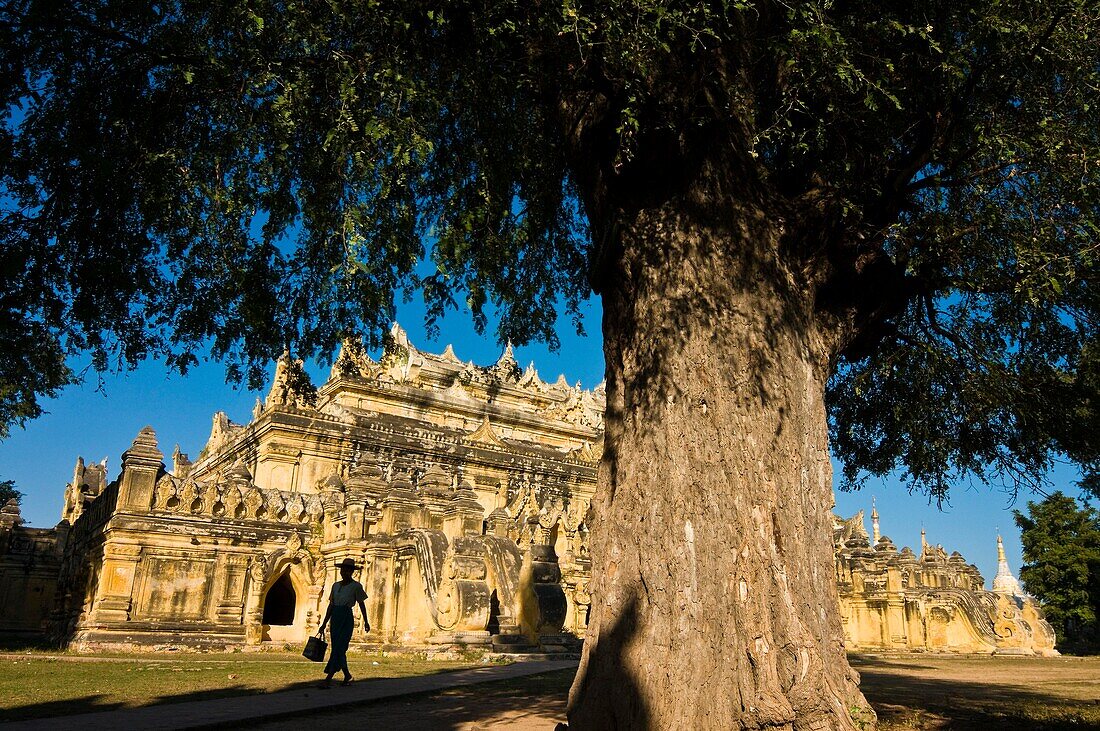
[(344, 595)]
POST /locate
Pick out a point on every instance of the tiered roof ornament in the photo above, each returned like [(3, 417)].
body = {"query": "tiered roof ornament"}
[(10, 515), (144, 449), (403, 364)]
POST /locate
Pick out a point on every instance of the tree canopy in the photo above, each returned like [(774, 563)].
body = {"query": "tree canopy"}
[(239, 176), (8, 492), (898, 199), (1062, 566)]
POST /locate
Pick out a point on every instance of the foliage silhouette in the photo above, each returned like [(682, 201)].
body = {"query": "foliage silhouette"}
[(898, 201)]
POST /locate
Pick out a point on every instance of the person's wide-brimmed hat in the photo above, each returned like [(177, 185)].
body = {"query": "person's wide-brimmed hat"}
[(348, 563)]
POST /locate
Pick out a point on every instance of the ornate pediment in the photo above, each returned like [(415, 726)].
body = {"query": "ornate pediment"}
[(485, 434), (353, 361), (401, 361), (449, 355)]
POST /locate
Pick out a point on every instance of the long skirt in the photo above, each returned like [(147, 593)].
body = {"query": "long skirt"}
[(340, 625)]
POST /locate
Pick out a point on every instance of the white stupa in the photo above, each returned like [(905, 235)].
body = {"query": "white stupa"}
[(1005, 582)]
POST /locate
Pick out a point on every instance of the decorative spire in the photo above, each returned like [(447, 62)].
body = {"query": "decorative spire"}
[(144, 450), (874, 521), (530, 378), (449, 354), (1005, 582), (399, 336), (181, 464), (506, 368), (238, 474), (347, 360), (291, 385)]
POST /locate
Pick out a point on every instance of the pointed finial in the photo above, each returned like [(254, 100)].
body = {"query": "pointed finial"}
[(400, 337), (449, 354), (875, 534), (1005, 582), (508, 357)]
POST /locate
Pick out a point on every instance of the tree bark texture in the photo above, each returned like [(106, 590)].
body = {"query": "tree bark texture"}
[(714, 597)]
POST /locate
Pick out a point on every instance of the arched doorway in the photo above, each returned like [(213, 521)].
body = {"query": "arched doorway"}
[(280, 605), (279, 602)]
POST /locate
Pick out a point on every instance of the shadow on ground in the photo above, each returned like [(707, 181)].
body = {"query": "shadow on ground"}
[(97, 703), (67, 707), (860, 661), (522, 704), (909, 694), (928, 704)]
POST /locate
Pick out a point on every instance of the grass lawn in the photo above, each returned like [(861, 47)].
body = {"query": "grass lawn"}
[(935, 692), (36, 685)]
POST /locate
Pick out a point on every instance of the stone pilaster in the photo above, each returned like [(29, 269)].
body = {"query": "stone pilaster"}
[(253, 605), (114, 597), (233, 572)]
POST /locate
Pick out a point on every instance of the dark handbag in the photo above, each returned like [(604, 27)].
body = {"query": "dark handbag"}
[(315, 649)]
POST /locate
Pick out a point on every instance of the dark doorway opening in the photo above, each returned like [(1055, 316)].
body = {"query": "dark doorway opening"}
[(494, 614), (279, 603)]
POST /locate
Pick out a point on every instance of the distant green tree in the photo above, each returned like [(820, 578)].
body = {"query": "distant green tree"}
[(1062, 554), (8, 491)]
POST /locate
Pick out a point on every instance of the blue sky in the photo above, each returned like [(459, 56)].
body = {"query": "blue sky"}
[(96, 424)]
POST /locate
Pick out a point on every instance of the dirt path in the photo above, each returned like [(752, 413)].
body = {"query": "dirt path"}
[(465, 711), (909, 693), (526, 704)]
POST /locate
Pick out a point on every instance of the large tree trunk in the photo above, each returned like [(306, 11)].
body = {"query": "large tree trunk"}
[(714, 598)]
